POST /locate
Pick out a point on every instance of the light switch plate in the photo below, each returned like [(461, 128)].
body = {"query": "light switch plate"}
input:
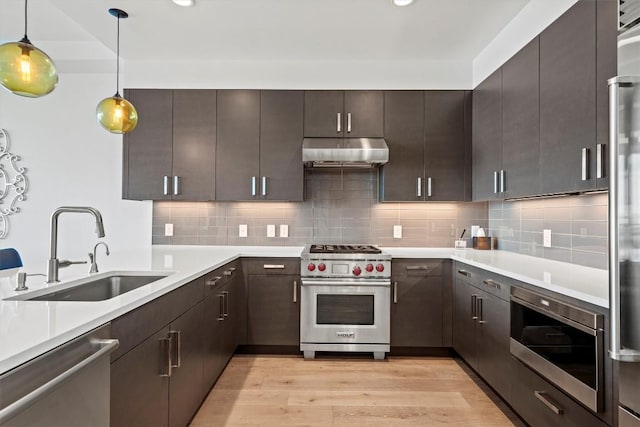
[(271, 230), (397, 232), (284, 230), (546, 238), (168, 230), (242, 230)]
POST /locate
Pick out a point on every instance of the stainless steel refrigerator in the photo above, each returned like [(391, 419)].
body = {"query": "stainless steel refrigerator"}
[(624, 214)]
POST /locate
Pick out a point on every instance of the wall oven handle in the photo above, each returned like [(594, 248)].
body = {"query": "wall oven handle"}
[(480, 311), (474, 307), (341, 282), (295, 291), (395, 292), (542, 397)]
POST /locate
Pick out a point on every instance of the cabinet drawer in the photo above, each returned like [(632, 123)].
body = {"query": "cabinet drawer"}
[(627, 419), (492, 283), (272, 266), (417, 267), (221, 276), (541, 404)]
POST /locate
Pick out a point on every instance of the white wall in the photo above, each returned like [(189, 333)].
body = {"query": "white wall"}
[(534, 17), (70, 160)]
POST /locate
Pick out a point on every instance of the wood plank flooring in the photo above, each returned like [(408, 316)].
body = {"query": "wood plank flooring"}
[(291, 391)]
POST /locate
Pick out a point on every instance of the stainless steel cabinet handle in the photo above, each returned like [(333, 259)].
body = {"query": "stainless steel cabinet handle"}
[(585, 164), (429, 187), (254, 185), (474, 307), (165, 183), (348, 122), (273, 266), (295, 291), (229, 272), (419, 188), (214, 282), (339, 123), (464, 273), (177, 348), (600, 160), (220, 307), (264, 185), (167, 352), (15, 408), (492, 283), (495, 182), (503, 181), (480, 312), (417, 267), (225, 304), (176, 185), (395, 292), (542, 397)]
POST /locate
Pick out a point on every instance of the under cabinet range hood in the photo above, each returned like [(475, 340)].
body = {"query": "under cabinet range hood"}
[(344, 152)]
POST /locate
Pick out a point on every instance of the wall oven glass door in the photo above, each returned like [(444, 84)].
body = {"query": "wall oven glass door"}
[(335, 312)]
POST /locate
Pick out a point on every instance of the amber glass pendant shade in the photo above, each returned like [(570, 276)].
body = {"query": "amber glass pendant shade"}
[(117, 115)]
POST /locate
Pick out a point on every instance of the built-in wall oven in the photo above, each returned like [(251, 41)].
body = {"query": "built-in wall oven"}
[(563, 343), (345, 300)]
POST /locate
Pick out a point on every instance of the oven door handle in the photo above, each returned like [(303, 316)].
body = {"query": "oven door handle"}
[(311, 282), (566, 321)]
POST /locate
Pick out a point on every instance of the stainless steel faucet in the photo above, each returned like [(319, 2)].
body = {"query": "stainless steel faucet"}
[(94, 259), (54, 263)]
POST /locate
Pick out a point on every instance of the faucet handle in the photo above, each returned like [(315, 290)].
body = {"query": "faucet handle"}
[(66, 263), (22, 280)]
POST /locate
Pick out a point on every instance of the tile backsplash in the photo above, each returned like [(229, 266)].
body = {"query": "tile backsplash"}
[(339, 207), (578, 227)]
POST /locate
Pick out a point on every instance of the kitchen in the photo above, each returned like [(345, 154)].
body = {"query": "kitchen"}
[(339, 206)]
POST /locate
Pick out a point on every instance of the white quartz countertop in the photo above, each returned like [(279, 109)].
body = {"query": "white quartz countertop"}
[(30, 328)]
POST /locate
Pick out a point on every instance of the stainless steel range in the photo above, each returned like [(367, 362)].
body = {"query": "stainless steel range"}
[(345, 299)]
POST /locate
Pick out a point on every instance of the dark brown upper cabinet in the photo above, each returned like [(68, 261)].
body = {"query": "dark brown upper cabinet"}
[(520, 122), (171, 154), (337, 114), (428, 133), (259, 154), (487, 138)]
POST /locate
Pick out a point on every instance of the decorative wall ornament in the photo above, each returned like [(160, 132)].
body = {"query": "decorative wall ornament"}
[(13, 184)]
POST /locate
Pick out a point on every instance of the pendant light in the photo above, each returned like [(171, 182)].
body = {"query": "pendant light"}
[(116, 114), (26, 70)]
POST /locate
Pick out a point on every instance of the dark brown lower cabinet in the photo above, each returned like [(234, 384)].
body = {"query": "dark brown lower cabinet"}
[(214, 360), (420, 303)]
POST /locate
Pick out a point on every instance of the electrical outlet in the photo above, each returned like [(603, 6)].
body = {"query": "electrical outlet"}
[(546, 238), (271, 230), (242, 230), (397, 232), (168, 230), (284, 230), (168, 261)]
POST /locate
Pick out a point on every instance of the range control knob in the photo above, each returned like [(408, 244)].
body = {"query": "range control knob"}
[(322, 267), (369, 268), (311, 266), (380, 268), (357, 270)]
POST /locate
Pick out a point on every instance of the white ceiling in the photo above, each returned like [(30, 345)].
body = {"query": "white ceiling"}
[(284, 30)]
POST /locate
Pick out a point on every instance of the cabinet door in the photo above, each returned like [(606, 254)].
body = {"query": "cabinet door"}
[(494, 357), (237, 152), (465, 340), (444, 154), (281, 123), (139, 391), (404, 132), (487, 137), (568, 99), (273, 314), (324, 113), (363, 114), (212, 336), (229, 339), (520, 121), (186, 383), (194, 144), (416, 311), (148, 148)]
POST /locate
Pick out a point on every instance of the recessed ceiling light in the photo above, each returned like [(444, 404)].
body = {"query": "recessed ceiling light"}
[(398, 2), (185, 3)]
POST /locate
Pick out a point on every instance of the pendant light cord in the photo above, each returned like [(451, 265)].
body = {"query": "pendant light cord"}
[(25, 19), (118, 58)]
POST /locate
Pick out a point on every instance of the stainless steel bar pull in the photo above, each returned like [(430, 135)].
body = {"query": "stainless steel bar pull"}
[(220, 307), (495, 182), (339, 123), (429, 187), (214, 282), (395, 292), (176, 185), (264, 186), (177, 347), (165, 182), (492, 283), (225, 303), (474, 307), (295, 291), (503, 181), (348, 122), (419, 187), (273, 266), (542, 397), (600, 160), (585, 164), (254, 186), (167, 353), (480, 312)]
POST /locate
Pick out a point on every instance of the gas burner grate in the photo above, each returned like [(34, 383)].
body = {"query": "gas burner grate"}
[(344, 249)]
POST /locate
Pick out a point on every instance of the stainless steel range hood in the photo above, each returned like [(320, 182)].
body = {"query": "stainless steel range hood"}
[(344, 152)]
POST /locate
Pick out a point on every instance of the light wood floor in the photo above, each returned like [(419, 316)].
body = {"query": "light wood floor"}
[(291, 391)]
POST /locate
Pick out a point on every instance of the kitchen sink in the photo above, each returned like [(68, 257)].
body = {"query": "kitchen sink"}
[(100, 288)]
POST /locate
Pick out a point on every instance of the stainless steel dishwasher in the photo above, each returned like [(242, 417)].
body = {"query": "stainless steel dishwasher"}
[(67, 386)]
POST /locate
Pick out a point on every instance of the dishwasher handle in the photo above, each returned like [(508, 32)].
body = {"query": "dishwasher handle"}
[(106, 346)]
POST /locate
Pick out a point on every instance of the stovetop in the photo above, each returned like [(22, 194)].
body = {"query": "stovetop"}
[(344, 249)]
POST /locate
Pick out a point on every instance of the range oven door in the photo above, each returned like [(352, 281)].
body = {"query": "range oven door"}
[(566, 352), (341, 311)]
